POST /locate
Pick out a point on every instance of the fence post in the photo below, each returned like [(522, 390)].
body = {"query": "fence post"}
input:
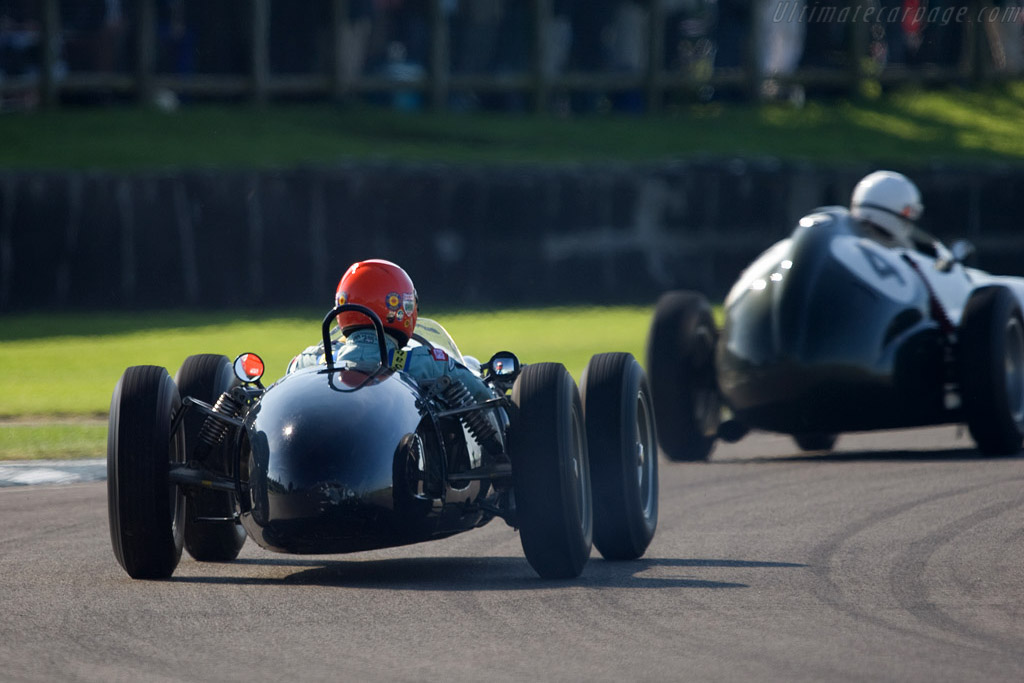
[(655, 56), (857, 49), (439, 67), (260, 24), (339, 19), (751, 64), (982, 29), (51, 49), (541, 55), (145, 45)]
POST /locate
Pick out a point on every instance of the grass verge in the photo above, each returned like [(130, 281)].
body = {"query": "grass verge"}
[(53, 441), (57, 376), (905, 127)]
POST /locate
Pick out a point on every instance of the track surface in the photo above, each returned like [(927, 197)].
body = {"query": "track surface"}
[(899, 557)]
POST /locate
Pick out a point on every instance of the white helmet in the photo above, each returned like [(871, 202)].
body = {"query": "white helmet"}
[(888, 200)]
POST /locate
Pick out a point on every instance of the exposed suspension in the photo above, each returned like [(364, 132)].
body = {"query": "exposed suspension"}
[(214, 430), (456, 395)]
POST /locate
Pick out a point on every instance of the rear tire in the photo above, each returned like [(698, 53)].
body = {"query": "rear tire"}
[(815, 441), (991, 359), (205, 377), (551, 472), (146, 512), (681, 372), (623, 452)]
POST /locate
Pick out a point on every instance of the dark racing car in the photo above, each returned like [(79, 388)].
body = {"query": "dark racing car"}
[(334, 459), (832, 331)]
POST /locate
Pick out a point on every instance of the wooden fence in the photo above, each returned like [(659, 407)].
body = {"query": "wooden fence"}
[(471, 236), (974, 63)]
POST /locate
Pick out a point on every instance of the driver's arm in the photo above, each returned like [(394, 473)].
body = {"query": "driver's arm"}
[(424, 363)]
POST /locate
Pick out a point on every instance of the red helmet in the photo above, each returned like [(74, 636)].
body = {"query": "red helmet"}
[(384, 288)]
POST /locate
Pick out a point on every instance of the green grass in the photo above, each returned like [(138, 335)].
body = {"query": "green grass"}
[(65, 370), (904, 127), (32, 441)]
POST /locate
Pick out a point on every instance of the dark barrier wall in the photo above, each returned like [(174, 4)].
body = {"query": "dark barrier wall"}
[(469, 236)]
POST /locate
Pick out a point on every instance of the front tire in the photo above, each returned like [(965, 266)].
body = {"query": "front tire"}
[(205, 377), (551, 472), (991, 358), (146, 512), (623, 452), (681, 371)]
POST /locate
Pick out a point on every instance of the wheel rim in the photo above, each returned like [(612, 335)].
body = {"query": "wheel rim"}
[(1014, 368), (579, 473), (646, 451)]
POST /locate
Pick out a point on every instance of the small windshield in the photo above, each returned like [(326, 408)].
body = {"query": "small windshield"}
[(432, 333)]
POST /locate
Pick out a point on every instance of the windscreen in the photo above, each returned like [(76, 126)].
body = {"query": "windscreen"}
[(433, 333)]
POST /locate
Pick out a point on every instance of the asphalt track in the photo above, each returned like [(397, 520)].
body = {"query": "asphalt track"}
[(899, 557)]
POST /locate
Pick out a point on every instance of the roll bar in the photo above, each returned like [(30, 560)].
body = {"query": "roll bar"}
[(378, 326)]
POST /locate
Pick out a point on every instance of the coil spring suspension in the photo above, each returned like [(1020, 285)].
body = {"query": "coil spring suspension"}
[(457, 395), (213, 430)]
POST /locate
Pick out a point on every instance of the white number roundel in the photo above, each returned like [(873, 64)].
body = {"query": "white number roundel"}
[(881, 269)]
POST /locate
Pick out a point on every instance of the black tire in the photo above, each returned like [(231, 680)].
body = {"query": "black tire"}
[(205, 377), (623, 450), (991, 360), (146, 512), (815, 441), (551, 472), (681, 373)]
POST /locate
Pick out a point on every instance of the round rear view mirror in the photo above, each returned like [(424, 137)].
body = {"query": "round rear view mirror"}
[(504, 364), (249, 367)]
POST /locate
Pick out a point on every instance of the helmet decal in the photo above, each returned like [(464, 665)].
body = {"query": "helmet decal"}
[(341, 299), (409, 303)]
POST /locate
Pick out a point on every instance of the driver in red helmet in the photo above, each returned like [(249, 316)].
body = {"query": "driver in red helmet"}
[(387, 290)]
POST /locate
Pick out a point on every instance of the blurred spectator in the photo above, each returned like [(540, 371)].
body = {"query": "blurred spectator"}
[(176, 51), (781, 30), (628, 37), (559, 38), (355, 39), (403, 22), (690, 41), (1005, 36), (914, 33), (392, 39), (628, 50), (94, 34), (19, 38), (20, 55), (400, 69)]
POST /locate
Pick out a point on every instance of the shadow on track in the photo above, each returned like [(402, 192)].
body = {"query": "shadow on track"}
[(936, 456), (490, 574)]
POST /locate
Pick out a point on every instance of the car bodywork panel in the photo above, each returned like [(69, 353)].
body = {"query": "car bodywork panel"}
[(328, 465)]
